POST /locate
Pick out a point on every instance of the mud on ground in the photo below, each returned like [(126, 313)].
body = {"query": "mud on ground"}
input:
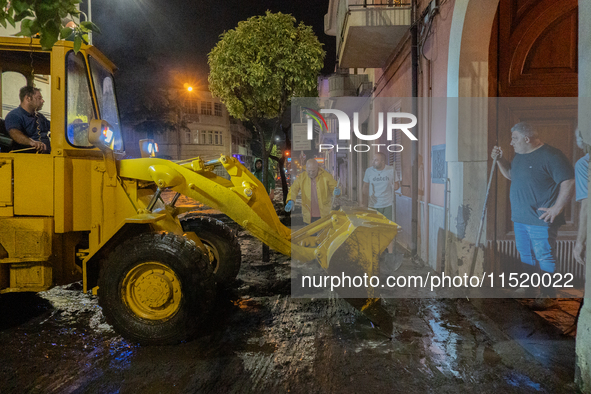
[(262, 340)]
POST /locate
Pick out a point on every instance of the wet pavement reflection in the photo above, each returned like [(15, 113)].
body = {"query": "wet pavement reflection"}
[(262, 340)]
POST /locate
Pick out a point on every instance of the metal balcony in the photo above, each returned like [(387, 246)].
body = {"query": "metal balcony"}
[(346, 85), (368, 31)]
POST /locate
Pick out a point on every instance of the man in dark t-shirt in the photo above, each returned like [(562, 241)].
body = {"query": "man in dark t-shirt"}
[(28, 128), (542, 183)]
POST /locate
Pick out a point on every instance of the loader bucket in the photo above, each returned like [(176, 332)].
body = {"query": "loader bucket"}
[(350, 240), (349, 243)]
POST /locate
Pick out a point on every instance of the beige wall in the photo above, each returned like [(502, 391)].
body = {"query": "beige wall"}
[(583, 349), (395, 80)]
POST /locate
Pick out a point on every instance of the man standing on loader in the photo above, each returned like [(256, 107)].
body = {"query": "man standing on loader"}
[(28, 128), (318, 187)]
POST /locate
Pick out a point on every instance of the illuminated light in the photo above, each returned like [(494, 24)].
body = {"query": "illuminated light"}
[(108, 134), (190, 88), (150, 148), (286, 153), (156, 148)]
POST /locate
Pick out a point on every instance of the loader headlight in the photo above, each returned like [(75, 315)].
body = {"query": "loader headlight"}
[(152, 148), (148, 148)]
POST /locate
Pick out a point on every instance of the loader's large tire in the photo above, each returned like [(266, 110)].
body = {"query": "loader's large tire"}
[(155, 289), (222, 244)]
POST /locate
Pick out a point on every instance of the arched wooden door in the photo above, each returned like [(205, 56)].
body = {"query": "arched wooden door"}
[(533, 54)]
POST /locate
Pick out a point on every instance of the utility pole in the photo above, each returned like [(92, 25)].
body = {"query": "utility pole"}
[(414, 187)]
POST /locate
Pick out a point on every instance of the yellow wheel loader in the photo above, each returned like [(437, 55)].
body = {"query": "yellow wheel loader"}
[(83, 212)]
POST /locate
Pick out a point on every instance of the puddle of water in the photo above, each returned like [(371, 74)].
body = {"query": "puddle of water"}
[(247, 304), (519, 380), (444, 343), (70, 303)]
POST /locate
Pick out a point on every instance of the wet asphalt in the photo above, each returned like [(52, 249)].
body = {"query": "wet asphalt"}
[(259, 339)]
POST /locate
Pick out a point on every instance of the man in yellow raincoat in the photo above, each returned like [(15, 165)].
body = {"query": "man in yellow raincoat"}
[(317, 187)]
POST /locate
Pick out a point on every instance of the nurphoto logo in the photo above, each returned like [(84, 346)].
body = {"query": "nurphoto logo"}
[(391, 120)]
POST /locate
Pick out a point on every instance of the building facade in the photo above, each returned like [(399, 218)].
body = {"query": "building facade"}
[(198, 125), (375, 54), (453, 56), (241, 138)]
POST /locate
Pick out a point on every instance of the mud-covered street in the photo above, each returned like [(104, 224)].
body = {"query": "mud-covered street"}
[(262, 340)]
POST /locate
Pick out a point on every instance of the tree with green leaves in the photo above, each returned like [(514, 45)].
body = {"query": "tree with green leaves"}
[(256, 68), (159, 111), (48, 19)]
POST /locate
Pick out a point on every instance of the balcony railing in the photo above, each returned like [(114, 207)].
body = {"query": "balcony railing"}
[(369, 30), (345, 85)]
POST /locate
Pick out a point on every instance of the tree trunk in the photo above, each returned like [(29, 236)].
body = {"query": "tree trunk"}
[(281, 161), (283, 179), (265, 158), (282, 165)]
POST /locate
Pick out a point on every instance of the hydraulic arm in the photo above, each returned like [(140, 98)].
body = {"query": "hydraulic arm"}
[(359, 235)]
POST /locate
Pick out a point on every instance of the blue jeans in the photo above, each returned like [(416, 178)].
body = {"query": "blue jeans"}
[(536, 243)]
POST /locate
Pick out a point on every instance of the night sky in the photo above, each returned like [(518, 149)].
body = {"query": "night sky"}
[(159, 43)]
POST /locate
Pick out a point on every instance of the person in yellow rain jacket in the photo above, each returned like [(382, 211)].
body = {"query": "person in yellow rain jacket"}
[(317, 187)]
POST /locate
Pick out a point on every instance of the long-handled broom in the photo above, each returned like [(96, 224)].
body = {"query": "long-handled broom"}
[(477, 245)]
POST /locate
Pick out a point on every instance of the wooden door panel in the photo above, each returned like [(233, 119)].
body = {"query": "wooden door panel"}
[(533, 54), (538, 48)]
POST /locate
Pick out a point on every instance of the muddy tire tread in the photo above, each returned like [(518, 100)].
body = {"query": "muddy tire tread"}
[(204, 226), (191, 267)]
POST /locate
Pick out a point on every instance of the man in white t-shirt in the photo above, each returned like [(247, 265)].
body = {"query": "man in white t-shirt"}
[(379, 184)]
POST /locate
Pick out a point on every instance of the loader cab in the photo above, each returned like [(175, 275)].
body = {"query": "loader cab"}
[(51, 203), (77, 89)]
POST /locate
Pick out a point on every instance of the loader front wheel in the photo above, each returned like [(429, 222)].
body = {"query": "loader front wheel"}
[(156, 289), (222, 245)]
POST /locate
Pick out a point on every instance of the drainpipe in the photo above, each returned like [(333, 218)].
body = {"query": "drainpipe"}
[(414, 186), (445, 221)]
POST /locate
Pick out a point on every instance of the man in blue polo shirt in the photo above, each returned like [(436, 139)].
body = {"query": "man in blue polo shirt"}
[(28, 128), (542, 183), (581, 179)]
